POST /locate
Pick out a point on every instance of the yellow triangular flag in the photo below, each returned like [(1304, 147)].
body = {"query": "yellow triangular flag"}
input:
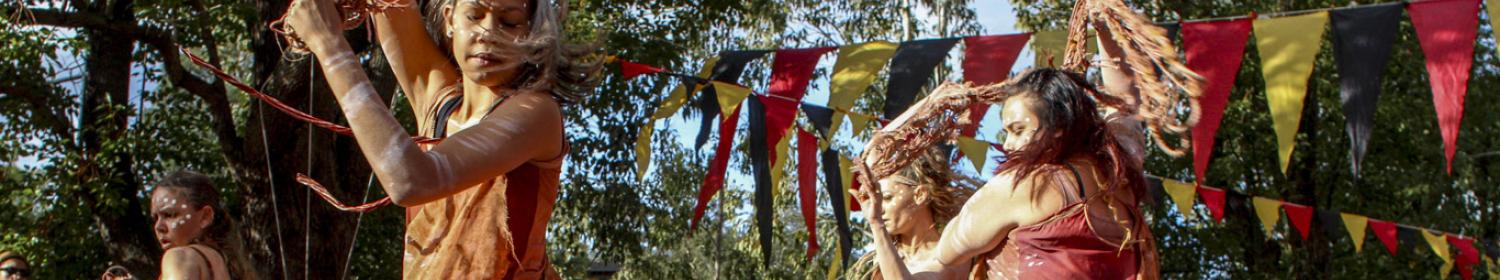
[(838, 261), (1494, 10), (853, 72), (643, 149), (1053, 45), (780, 160), (975, 150), (1268, 210), (1182, 194), (1356, 225), (844, 165), (1288, 47), (859, 122), (1494, 268), (1438, 243), (730, 96), (679, 95)]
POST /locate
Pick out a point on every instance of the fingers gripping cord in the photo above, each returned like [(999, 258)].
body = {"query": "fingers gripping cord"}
[(303, 116)]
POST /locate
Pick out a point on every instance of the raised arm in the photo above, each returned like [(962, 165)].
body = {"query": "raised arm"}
[(525, 128), (1116, 80), (419, 65)]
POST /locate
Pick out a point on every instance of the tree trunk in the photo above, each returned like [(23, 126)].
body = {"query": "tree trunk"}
[(124, 227)]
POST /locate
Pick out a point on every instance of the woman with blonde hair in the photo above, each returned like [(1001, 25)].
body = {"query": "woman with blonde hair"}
[(919, 201)]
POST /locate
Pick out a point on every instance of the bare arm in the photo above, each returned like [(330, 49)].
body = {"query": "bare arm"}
[(419, 65), (1117, 81), (520, 130), (1002, 205), (180, 264)]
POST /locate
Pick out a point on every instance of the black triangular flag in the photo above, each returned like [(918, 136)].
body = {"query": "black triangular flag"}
[(835, 186), (911, 68), (760, 163), (1362, 39), (729, 68), (1172, 30), (1331, 222), (821, 117)]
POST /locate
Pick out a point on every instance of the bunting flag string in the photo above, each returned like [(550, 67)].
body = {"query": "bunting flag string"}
[(1456, 251), (1363, 37)]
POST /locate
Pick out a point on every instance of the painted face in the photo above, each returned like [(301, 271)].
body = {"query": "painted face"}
[(1021, 123), (14, 269), (900, 205), (484, 33), (177, 221)]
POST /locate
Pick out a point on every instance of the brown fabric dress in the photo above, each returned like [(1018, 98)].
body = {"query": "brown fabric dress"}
[(496, 230)]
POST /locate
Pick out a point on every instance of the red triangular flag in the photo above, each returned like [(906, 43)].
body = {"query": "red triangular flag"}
[(631, 69), (1386, 232), (1446, 31), (1214, 49), (987, 60), (1214, 199), (807, 177), (1467, 255), (716, 167), (854, 188), (1300, 216)]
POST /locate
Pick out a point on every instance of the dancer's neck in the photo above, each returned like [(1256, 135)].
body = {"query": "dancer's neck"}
[(920, 241), (478, 99)]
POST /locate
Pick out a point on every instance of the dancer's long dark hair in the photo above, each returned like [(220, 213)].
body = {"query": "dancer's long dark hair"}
[(1070, 127)]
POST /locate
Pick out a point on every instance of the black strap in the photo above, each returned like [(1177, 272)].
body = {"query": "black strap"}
[(1078, 178), (440, 125), (204, 256)]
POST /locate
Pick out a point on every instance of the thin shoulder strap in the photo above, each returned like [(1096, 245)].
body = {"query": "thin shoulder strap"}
[(1078, 179), (440, 123), (206, 261)]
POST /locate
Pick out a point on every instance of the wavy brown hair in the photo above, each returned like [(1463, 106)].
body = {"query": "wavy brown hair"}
[(223, 233)]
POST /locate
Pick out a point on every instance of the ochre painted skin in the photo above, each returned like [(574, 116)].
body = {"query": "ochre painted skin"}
[(178, 223)]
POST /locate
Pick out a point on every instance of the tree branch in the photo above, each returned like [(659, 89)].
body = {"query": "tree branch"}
[(166, 47), (56, 121)]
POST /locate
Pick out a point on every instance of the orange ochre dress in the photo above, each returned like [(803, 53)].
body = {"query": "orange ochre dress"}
[(464, 236)]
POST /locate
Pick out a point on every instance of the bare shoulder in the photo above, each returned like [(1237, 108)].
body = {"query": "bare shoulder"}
[(182, 263), (1027, 200)]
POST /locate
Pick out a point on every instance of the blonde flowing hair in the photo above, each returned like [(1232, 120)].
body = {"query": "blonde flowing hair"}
[(947, 191)]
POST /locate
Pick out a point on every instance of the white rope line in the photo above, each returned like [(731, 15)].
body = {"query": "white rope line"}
[(271, 180), (312, 76)]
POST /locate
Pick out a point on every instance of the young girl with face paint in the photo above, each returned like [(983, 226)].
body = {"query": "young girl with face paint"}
[(918, 202), (191, 226), (1063, 205), (493, 83)]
